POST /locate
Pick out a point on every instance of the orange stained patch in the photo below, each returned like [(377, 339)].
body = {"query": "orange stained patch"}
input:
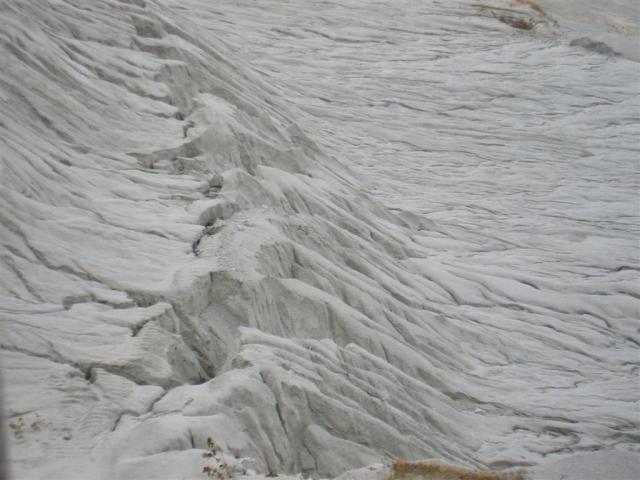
[(532, 5), (432, 470)]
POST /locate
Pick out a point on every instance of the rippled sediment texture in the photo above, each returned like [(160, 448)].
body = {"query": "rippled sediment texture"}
[(186, 254)]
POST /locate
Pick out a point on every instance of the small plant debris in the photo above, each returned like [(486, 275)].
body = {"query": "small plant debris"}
[(213, 447), (17, 426), (37, 424), (22, 425), (222, 470)]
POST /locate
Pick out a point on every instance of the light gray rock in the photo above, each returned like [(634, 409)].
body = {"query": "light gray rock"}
[(184, 258)]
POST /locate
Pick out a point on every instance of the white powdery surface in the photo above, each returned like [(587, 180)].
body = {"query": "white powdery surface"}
[(184, 257)]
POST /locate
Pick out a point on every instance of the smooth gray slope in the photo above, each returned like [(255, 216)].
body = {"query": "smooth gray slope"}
[(180, 260)]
